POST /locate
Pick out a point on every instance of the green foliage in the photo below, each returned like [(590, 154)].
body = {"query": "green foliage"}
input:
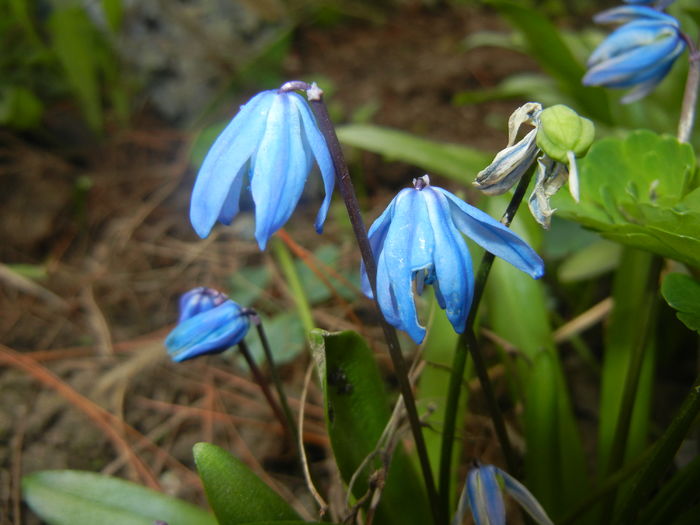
[(450, 160), (682, 293), (71, 497), (517, 309), (64, 54), (438, 350), (640, 190), (234, 492), (545, 44), (357, 410)]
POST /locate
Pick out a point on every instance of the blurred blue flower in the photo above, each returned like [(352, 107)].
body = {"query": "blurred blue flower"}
[(269, 148), (417, 240), (209, 323), (483, 494), (638, 54)]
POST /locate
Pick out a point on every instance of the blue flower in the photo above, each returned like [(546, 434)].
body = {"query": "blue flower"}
[(209, 323), (417, 240), (638, 54), (269, 148), (483, 494)]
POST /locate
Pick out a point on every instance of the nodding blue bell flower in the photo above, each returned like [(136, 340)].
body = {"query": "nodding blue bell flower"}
[(483, 494), (417, 241), (209, 323), (269, 148), (638, 54)]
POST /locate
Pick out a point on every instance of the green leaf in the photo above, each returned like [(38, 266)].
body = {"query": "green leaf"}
[(545, 44), (640, 191), (518, 309), (234, 492), (662, 456), (594, 260), (73, 40), (673, 497), (72, 497), (20, 108), (633, 303), (438, 352), (449, 160), (682, 293), (357, 410)]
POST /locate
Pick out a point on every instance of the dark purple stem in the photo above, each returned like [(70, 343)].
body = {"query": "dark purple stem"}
[(315, 97)]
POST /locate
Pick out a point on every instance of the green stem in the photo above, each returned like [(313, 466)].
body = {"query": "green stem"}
[(662, 456), (292, 277), (467, 344), (645, 311)]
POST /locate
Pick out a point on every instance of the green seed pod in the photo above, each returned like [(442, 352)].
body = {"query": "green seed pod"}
[(562, 130)]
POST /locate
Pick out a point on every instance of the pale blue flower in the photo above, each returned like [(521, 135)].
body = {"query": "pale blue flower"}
[(638, 54), (209, 323), (417, 241), (269, 148), (483, 494)]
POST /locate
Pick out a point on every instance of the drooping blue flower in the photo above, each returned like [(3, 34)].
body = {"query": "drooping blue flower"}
[(269, 148), (483, 494), (417, 241), (638, 54), (209, 323)]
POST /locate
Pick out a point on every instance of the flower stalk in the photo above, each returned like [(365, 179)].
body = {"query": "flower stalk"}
[(315, 96), (467, 345), (289, 428), (690, 96), (274, 372)]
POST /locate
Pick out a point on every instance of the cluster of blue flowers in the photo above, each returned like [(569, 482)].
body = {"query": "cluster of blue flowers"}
[(269, 148), (638, 54)]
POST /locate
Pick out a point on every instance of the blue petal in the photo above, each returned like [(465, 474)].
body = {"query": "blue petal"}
[(377, 234), (636, 65), (209, 332), (485, 498), (493, 236), (631, 37), (224, 162), (527, 501), (407, 248), (642, 90), (318, 146), (453, 265), (279, 170), (624, 14), (198, 300)]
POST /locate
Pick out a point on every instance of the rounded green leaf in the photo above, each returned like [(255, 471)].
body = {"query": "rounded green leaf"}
[(561, 130), (72, 497), (234, 492), (682, 293)]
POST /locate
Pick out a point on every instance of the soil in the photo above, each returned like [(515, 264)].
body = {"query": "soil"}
[(101, 227)]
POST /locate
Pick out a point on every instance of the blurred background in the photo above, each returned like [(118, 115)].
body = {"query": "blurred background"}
[(106, 109)]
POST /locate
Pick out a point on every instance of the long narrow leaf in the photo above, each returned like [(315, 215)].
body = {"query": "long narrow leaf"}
[(72, 497), (357, 410)]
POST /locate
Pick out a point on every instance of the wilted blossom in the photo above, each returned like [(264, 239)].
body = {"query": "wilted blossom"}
[(558, 137), (209, 323), (417, 241), (268, 148), (639, 53), (483, 494)]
